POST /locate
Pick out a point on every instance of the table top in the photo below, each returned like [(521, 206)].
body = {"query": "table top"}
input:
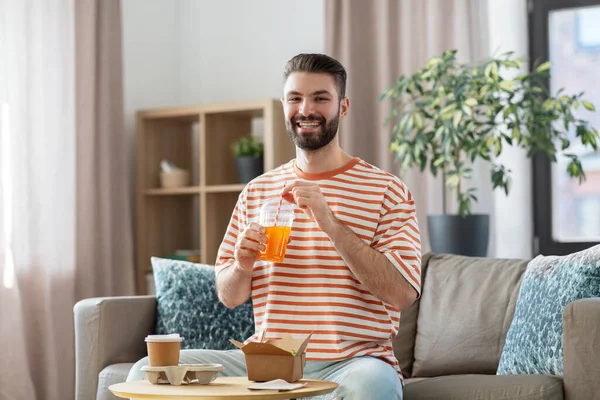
[(224, 387)]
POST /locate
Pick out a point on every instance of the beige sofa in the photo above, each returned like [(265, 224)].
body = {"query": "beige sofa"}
[(449, 344)]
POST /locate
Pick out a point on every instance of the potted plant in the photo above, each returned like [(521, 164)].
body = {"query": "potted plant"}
[(448, 115), (248, 153)]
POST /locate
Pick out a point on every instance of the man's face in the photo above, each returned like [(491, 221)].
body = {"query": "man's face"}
[(312, 109)]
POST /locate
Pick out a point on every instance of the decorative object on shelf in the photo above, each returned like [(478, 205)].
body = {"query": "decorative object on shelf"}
[(248, 153), (448, 115), (172, 176)]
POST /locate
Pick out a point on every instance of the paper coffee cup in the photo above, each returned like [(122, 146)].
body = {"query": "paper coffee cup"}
[(163, 350)]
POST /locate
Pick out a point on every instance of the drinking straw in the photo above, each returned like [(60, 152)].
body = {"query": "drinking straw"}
[(279, 205)]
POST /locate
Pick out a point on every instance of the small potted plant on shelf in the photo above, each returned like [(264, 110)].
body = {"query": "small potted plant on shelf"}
[(448, 115), (248, 152)]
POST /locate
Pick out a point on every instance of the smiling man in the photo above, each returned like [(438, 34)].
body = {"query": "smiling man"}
[(353, 263), (354, 259)]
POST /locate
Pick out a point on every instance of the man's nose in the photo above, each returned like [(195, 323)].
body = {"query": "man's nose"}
[(306, 108)]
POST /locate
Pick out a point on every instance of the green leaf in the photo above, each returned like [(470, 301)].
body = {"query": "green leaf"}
[(438, 161), (483, 91), (433, 61), (498, 147), (411, 87), (575, 169), (403, 121), (494, 72), (418, 120), (516, 133), (452, 181), (507, 185), (488, 70), (448, 111), (507, 85), (588, 105), (438, 133), (522, 77), (456, 119), (471, 102), (543, 67), (464, 204), (467, 110)]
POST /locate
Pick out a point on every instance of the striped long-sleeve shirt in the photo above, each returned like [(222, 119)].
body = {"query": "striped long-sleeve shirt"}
[(313, 290)]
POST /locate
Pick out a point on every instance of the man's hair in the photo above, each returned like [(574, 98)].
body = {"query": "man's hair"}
[(318, 63)]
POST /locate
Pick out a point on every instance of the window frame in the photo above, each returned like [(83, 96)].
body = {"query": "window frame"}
[(544, 243)]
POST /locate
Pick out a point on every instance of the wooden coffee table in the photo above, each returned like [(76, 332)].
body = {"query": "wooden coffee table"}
[(224, 387)]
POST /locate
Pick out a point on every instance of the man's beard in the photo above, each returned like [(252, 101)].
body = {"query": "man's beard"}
[(314, 140)]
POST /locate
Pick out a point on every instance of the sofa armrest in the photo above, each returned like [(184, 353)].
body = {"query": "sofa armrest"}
[(581, 349), (109, 330)]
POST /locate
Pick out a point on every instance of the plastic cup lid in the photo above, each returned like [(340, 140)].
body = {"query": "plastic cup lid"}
[(174, 337)]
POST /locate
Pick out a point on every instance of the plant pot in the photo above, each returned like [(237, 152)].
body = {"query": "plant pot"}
[(248, 168), (454, 234)]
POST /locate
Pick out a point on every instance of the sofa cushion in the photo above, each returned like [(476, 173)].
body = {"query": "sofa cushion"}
[(534, 340), (115, 373), (404, 342), (484, 387), (187, 304), (465, 310)]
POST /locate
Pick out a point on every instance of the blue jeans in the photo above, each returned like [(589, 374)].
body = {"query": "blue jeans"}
[(358, 378)]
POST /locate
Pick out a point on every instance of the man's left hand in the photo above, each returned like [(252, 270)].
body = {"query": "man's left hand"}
[(310, 199)]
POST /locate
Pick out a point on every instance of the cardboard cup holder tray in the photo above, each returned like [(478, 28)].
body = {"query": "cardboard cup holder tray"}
[(200, 374)]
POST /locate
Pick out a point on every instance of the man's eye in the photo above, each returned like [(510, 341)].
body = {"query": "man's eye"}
[(294, 99), (321, 99)]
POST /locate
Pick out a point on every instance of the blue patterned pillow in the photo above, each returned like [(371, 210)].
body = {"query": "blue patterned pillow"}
[(534, 339), (188, 305)]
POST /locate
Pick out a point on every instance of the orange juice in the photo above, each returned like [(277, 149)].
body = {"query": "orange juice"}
[(277, 239)]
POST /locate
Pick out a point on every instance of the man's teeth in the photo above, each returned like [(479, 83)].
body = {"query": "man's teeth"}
[(308, 124)]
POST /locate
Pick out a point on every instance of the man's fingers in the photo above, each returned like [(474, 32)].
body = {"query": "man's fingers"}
[(289, 197), (299, 193), (251, 245), (256, 227), (303, 202), (298, 184), (254, 236), (255, 232)]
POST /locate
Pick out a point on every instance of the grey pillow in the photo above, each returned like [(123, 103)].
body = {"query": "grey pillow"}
[(534, 339), (188, 305)]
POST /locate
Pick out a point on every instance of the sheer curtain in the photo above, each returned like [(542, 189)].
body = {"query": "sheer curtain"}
[(38, 188), (65, 228), (380, 40)]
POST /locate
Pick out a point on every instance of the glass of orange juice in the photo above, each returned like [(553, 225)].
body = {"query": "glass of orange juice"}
[(277, 216)]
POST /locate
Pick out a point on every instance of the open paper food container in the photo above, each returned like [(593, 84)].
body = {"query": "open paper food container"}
[(275, 359)]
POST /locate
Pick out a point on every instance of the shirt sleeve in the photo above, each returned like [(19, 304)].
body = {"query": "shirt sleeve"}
[(397, 237), (237, 224)]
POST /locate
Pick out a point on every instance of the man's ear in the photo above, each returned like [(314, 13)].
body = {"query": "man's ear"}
[(344, 106)]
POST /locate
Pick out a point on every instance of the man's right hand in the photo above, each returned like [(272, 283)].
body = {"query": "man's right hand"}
[(249, 243)]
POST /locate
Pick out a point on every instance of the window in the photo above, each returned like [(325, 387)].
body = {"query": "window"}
[(567, 33)]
